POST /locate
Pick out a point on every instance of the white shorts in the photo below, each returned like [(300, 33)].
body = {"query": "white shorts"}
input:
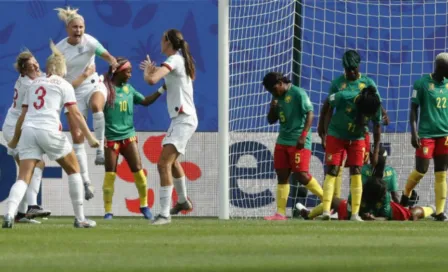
[(34, 143), (8, 134), (85, 92), (180, 131)]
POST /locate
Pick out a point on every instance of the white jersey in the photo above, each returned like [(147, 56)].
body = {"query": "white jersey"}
[(20, 88), (45, 98), (179, 87), (79, 57)]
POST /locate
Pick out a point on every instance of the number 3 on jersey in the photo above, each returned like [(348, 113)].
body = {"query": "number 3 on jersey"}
[(41, 92)]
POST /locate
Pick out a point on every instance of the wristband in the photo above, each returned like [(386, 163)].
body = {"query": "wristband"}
[(161, 90), (304, 133)]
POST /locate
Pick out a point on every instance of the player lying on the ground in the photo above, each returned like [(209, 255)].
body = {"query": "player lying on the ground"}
[(346, 132), (430, 141), (376, 201), (38, 132), (292, 107), (120, 133), (351, 80), (28, 69)]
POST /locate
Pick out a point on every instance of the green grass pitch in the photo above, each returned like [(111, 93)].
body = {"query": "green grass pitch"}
[(130, 244)]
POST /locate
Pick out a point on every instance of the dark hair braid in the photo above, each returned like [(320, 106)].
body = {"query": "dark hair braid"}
[(367, 103), (108, 78)]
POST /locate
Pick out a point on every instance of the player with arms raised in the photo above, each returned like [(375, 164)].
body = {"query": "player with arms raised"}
[(80, 50), (120, 133), (28, 68), (351, 80), (179, 72), (37, 133), (430, 95), (292, 107), (353, 111)]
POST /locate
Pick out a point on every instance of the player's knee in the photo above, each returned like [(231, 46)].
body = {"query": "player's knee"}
[(136, 167), (421, 168), (41, 164), (333, 170), (77, 136), (355, 170), (97, 107), (303, 177), (163, 166)]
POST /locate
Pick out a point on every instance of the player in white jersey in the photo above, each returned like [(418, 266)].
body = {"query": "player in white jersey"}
[(38, 133), (28, 68), (80, 50), (179, 72)]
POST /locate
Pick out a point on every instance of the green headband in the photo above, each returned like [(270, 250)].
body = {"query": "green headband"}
[(351, 59)]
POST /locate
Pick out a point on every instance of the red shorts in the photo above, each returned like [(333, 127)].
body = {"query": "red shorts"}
[(116, 146), (342, 210), (337, 148), (431, 147), (366, 154), (399, 213), (288, 157)]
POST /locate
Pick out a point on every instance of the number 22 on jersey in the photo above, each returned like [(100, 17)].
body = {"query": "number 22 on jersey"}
[(441, 102)]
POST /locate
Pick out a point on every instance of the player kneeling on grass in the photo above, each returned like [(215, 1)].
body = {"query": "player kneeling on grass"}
[(292, 107), (40, 117), (120, 133), (353, 111), (376, 201), (430, 140)]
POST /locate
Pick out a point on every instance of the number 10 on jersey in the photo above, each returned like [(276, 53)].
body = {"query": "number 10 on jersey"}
[(123, 105)]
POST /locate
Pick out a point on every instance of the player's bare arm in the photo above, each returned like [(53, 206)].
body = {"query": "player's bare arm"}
[(385, 116), (308, 122), (74, 111), (152, 73), (18, 131), (153, 97), (376, 143), (110, 59), (413, 117), (321, 125), (87, 72)]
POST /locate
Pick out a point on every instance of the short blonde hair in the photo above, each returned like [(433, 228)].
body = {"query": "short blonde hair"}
[(56, 62), (68, 14), (21, 60)]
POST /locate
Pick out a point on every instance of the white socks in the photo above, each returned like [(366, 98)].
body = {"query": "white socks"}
[(81, 155), (99, 126), (181, 189), (165, 200), (16, 194), (34, 187), (76, 190), (23, 206)]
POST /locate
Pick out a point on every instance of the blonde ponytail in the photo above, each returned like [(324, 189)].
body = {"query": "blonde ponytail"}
[(56, 62), (68, 14)]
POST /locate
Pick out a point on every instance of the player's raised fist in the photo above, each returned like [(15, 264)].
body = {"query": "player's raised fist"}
[(93, 142)]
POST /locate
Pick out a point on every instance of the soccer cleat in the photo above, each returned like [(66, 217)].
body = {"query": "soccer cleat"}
[(326, 216), (161, 220), (303, 211), (356, 217), (87, 223), (276, 217), (146, 212), (441, 217), (186, 206), (99, 160), (37, 211), (404, 201), (108, 216), (8, 222), (88, 191), (27, 221)]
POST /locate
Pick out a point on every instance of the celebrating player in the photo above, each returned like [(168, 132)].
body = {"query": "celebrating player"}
[(430, 94), (292, 107), (120, 133), (346, 130), (179, 72), (41, 135), (80, 50), (28, 68), (351, 80)]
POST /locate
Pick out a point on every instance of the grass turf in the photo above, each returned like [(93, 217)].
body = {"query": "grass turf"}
[(128, 244)]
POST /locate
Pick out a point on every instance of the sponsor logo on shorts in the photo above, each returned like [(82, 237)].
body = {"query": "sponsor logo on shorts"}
[(425, 150)]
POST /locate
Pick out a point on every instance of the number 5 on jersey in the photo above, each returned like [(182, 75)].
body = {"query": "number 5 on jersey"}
[(41, 92)]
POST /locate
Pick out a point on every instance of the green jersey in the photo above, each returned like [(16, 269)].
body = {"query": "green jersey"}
[(120, 118), (431, 97), (389, 177), (292, 109), (342, 84), (343, 122)]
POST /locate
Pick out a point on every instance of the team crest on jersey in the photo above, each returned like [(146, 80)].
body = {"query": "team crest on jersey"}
[(425, 150), (288, 99), (431, 86), (361, 86), (343, 86), (348, 109), (126, 89)]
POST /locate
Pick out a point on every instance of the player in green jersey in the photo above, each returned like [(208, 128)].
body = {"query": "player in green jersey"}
[(120, 133), (292, 107), (353, 110), (351, 80), (430, 140)]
